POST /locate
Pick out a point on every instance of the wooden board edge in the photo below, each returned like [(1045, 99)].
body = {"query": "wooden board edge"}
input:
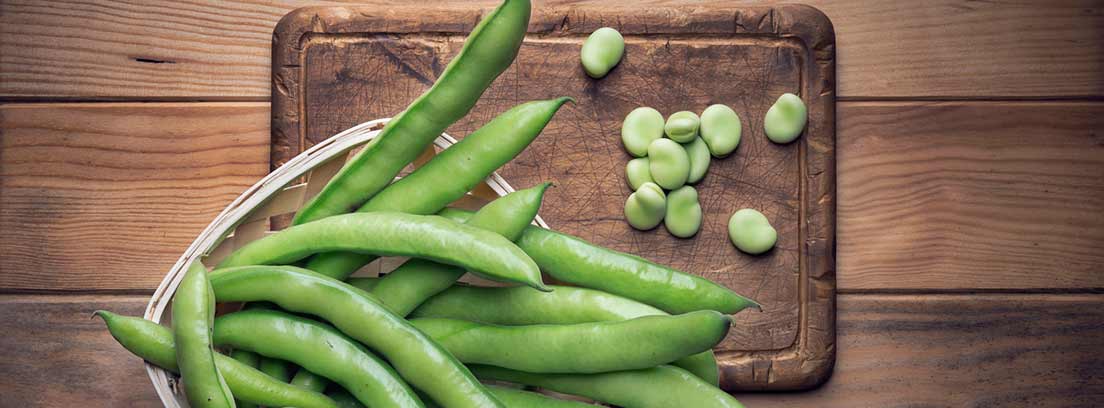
[(808, 362)]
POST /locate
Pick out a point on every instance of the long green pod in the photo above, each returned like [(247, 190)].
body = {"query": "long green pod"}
[(309, 381), (193, 309), (583, 347), (421, 362), (488, 51), (573, 260), (524, 399), (318, 348), (154, 343), (396, 234), (521, 305), (277, 369), (413, 282), (248, 358), (450, 175), (656, 387)]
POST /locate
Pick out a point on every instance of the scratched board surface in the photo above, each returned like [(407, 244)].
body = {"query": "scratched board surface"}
[(362, 64)]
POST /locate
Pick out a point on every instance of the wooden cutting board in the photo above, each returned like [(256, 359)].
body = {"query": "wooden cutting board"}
[(335, 67)]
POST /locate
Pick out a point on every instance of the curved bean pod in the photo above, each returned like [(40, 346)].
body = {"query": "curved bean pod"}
[(318, 348), (193, 308), (421, 362), (450, 174), (573, 260), (656, 387), (413, 282), (429, 237), (309, 381), (250, 359), (524, 399), (154, 343), (520, 305), (583, 347), (488, 51)]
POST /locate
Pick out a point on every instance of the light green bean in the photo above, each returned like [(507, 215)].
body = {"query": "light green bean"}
[(699, 159), (601, 51), (645, 208), (641, 126), (751, 232), (720, 129), (785, 119), (669, 163), (684, 213), (682, 126)]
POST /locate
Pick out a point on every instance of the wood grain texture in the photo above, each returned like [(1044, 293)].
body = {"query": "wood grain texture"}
[(217, 49), (57, 355), (961, 351), (894, 351), (107, 196), (336, 66), (996, 195)]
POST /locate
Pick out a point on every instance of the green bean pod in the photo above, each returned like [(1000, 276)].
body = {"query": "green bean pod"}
[(421, 362), (193, 310), (413, 282), (430, 237), (524, 399), (250, 359), (277, 369), (573, 260), (309, 381), (154, 343), (583, 347), (450, 175), (521, 305), (655, 387), (488, 51), (318, 348)]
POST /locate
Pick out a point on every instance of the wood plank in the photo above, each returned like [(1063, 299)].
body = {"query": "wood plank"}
[(997, 195), (215, 49), (57, 355), (961, 351), (107, 196), (894, 351)]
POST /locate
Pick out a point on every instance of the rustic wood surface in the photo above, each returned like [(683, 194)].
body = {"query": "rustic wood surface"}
[(981, 342)]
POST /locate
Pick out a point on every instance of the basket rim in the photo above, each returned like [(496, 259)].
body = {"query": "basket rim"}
[(255, 197)]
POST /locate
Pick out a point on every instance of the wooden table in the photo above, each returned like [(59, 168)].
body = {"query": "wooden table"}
[(970, 187)]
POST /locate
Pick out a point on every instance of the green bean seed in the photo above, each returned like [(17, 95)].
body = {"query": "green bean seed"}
[(641, 126), (576, 261), (751, 232), (785, 119), (601, 51), (488, 51), (416, 280), (656, 387), (389, 234), (645, 208), (720, 129), (684, 214), (583, 347), (450, 175), (682, 126), (421, 362), (637, 173), (522, 305), (699, 159), (669, 163), (154, 343), (193, 310), (319, 348)]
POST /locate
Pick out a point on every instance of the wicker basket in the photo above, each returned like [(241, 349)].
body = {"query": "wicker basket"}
[(278, 194)]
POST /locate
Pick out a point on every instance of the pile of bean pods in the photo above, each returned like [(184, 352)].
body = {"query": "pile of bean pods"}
[(626, 332)]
